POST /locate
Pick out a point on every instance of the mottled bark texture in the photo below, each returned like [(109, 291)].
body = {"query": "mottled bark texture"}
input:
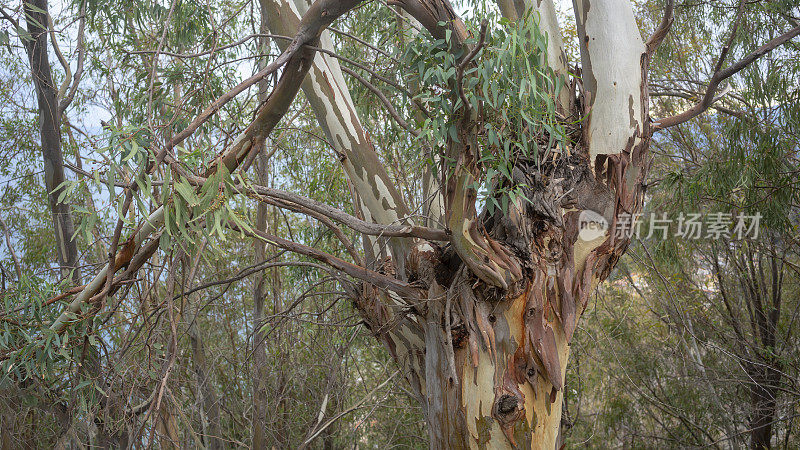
[(329, 96), (50, 132)]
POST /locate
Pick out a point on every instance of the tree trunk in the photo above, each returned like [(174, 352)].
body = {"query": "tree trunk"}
[(259, 377), (500, 397), (329, 97), (50, 132), (763, 395), (763, 292), (489, 365), (167, 428), (486, 346), (487, 356), (260, 370), (482, 331), (210, 403)]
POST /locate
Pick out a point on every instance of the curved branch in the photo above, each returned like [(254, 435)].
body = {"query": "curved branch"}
[(389, 107), (60, 56), (348, 245), (719, 75), (361, 273), (298, 60), (662, 30), (66, 100), (687, 96), (247, 271), (372, 229)]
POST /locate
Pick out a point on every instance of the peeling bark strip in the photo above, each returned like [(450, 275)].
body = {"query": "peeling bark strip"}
[(611, 58)]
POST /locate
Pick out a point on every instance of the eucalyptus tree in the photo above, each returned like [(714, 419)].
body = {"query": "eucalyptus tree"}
[(534, 163)]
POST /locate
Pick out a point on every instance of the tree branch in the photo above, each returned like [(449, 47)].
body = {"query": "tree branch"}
[(66, 100), (463, 65), (361, 273), (389, 107), (720, 75), (317, 430), (325, 221), (373, 229), (67, 71), (662, 30), (298, 60), (687, 96), (613, 77)]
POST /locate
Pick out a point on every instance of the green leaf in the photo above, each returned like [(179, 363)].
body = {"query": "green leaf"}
[(187, 192)]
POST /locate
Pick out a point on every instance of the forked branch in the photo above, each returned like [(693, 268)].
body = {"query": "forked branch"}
[(709, 98), (377, 279)]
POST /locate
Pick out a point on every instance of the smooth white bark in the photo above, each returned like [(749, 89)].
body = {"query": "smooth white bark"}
[(611, 56)]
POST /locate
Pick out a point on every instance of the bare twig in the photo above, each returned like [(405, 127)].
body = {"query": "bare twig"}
[(361, 273), (361, 226), (346, 411), (389, 107), (687, 96), (208, 52), (325, 221)]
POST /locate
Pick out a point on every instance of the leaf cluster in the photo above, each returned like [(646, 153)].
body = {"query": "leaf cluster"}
[(510, 86)]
